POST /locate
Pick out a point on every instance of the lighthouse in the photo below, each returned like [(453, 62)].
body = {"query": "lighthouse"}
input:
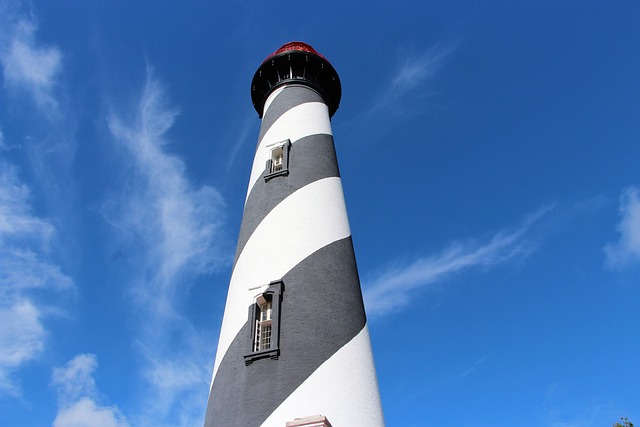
[(294, 347)]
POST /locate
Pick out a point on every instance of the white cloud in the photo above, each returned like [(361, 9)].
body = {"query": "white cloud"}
[(393, 289), (415, 68), (413, 71), (78, 406), (33, 70), (15, 217), (86, 413), (4, 146), (174, 227), (177, 224), (474, 367), (178, 387), (408, 81), (25, 267), (21, 339), (627, 249), (26, 65), (75, 379)]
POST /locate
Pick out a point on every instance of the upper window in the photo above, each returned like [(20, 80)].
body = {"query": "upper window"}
[(264, 318), (278, 163), (277, 157)]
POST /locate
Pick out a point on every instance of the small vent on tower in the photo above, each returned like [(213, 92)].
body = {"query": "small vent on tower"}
[(278, 163)]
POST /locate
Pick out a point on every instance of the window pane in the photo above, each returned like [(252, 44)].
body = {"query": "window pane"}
[(265, 339), (277, 159)]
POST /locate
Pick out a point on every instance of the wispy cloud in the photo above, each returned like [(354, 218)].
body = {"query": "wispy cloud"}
[(413, 71), (393, 289), (175, 228), (627, 249), (473, 367), (26, 271), (32, 71), (178, 379), (30, 279), (398, 92), (4, 146), (178, 224), (21, 340), (241, 135), (78, 397), (26, 65)]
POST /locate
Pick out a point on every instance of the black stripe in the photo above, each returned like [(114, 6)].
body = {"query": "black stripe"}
[(294, 95), (310, 159), (322, 310)]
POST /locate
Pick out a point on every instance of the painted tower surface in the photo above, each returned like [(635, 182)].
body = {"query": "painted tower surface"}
[(294, 344)]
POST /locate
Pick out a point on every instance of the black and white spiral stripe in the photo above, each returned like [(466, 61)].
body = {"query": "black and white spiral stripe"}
[(295, 229)]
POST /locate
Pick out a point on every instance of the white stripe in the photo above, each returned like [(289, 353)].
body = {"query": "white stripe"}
[(344, 389), (302, 120), (307, 220)]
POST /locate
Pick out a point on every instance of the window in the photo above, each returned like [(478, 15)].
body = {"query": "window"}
[(264, 318), (277, 155), (262, 335), (278, 163)]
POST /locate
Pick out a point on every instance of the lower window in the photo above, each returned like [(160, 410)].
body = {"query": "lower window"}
[(264, 318)]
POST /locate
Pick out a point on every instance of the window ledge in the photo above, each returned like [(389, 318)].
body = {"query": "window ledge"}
[(263, 354), (284, 172)]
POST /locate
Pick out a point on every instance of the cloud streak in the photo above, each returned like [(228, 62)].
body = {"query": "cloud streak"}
[(393, 289), (26, 271), (33, 70), (413, 71), (409, 80), (411, 75), (30, 279), (627, 249), (26, 66), (178, 380), (175, 230), (178, 225)]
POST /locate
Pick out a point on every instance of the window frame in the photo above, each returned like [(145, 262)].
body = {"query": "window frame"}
[(274, 294), (284, 171), (263, 323)]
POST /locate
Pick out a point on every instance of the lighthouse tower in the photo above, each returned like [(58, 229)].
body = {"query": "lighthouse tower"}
[(294, 347)]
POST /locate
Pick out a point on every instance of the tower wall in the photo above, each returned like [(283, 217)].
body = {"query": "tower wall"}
[(295, 238)]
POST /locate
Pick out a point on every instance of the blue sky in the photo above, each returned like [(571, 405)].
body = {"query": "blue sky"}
[(489, 154)]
